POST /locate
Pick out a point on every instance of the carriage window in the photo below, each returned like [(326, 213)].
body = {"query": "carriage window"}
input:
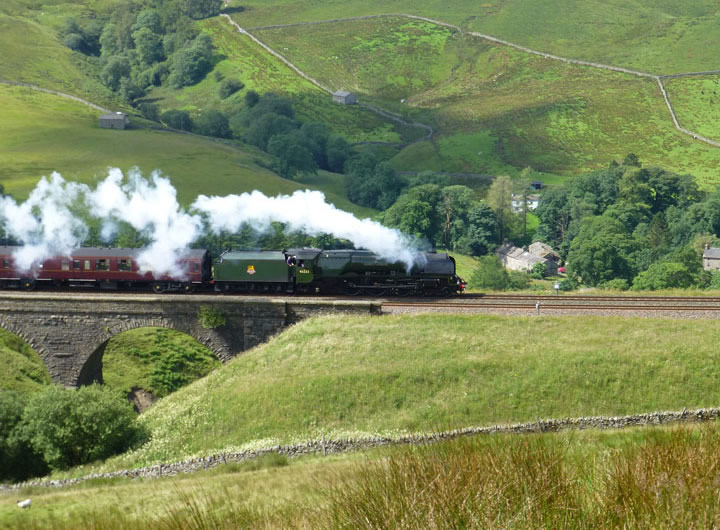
[(87, 264), (76, 264), (125, 265), (66, 265), (196, 267), (6, 263), (101, 265)]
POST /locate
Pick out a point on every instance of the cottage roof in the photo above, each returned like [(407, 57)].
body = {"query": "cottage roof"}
[(511, 251), (113, 116), (541, 249), (712, 253), (341, 93)]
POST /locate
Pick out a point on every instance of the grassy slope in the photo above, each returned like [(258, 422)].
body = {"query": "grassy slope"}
[(132, 358), (41, 133), (242, 59), (669, 468), (659, 36), (548, 115), (23, 371), (427, 372), (33, 53), (697, 103)]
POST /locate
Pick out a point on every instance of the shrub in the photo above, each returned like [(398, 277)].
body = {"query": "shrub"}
[(213, 123), (177, 119), (518, 280), (664, 276), (619, 284), (210, 317), (229, 87), (150, 111), (251, 98), (490, 274), (73, 427), (17, 459)]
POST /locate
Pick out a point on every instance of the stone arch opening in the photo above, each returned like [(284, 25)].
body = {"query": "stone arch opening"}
[(25, 370), (150, 361)]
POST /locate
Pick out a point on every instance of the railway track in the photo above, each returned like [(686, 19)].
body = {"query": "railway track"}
[(565, 303)]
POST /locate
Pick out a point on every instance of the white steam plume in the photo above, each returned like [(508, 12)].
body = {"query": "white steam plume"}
[(47, 226), (305, 211), (44, 222), (150, 207)]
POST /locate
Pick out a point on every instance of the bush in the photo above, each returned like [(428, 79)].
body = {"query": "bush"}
[(490, 274), (229, 87), (213, 123), (251, 98), (17, 459), (619, 284), (150, 111), (666, 275), (518, 280), (177, 119), (74, 427), (538, 271)]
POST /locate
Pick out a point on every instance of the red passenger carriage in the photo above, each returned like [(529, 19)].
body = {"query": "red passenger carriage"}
[(108, 268)]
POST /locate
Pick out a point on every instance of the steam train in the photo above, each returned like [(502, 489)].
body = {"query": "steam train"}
[(302, 270)]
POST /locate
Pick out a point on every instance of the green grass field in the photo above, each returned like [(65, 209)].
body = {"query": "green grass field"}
[(41, 133), (345, 376)]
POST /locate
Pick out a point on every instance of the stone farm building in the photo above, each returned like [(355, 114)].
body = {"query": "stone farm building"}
[(344, 98), (520, 259), (711, 258), (532, 203), (114, 120)]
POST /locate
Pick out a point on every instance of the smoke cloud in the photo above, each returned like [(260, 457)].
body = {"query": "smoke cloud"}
[(307, 212), (48, 226)]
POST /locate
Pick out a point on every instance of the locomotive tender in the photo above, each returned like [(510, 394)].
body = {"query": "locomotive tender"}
[(303, 270)]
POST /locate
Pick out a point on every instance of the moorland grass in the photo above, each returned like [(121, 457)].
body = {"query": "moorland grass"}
[(494, 108), (696, 101), (342, 376), (657, 477), (661, 37)]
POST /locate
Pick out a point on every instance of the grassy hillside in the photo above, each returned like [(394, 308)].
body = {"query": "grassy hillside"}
[(654, 477), (351, 376), (697, 103), (660, 36), (23, 371), (41, 133), (493, 106)]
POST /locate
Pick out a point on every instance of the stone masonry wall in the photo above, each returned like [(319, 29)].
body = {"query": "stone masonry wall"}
[(70, 331)]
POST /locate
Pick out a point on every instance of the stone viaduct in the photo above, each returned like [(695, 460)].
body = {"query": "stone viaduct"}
[(70, 331)]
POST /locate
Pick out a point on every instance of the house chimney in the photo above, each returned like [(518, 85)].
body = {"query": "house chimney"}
[(707, 246)]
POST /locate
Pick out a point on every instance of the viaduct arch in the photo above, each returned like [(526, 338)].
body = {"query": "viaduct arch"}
[(69, 331)]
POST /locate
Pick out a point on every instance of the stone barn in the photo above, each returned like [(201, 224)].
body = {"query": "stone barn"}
[(711, 258), (114, 120), (344, 98)]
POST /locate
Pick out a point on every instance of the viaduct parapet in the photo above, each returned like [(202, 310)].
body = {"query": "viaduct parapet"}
[(70, 331)]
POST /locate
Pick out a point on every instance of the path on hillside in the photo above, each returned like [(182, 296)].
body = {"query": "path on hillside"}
[(658, 78), (325, 446), (381, 112), (55, 93)]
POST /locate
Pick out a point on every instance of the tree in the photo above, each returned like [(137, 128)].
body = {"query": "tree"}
[(416, 212), (601, 251), (229, 86), (500, 200), (523, 191), (337, 152), (149, 110), (665, 275), (293, 154), (148, 45), (17, 459), (189, 65), (213, 123), (73, 427), (198, 9), (490, 274), (480, 235), (454, 208), (177, 119), (265, 127), (554, 214), (116, 68), (251, 98)]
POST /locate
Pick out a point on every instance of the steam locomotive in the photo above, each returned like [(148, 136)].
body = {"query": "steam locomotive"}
[(302, 270)]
